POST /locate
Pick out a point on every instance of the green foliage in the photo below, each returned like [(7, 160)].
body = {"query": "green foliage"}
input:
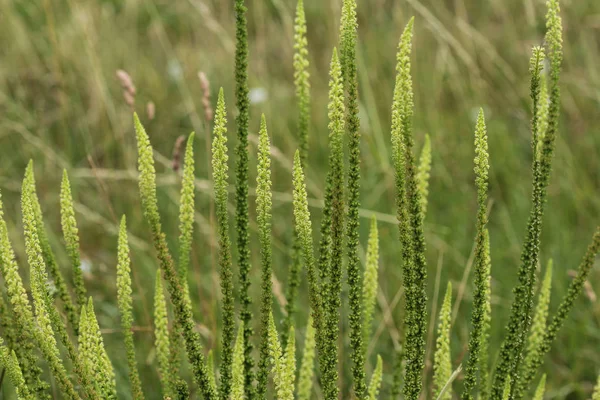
[(125, 308), (442, 365), (241, 208), (71, 235), (263, 211), (307, 366), (161, 337), (237, 368), (376, 378), (370, 284), (539, 391), (481, 258)]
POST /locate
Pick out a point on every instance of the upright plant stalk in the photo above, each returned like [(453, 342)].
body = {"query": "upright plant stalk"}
[(336, 180), (241, 196), (220, 176), (237, 368), (410, 220), (181, 307), (302, 84), (161, 337), (44, 331), (186, 232), (126, 307), (564, 308), (283, 372), (263, 211), (23, 315), (596, 395), (71, 235), (48, 255), (370, 281), (538, 327), (484, 352), (348, 35), (520, 317), (304, 227), (442, 366), (481, 262)]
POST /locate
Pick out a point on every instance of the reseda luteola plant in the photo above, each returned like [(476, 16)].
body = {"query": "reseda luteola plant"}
[(31, 331)]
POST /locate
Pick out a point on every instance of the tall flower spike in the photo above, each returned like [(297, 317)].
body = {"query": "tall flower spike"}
[(423, 174), (542, 114), (181, 307), (290, 360), (263, 212), (186, 232), (511, 351), (302, 84), (125, 308), (336, 181), (370, 284), (237, 368), (484, 354), (442, 366), (304, 227), (376, 378), (538, 327), (348, 35), (219, 164), (301, 79), (186, 213), (41, 299), (23, 315), (280, 374), (71, 235), (241, 200), (161, 337), (481, 258), (47, 253), (541, 388), (307, 366), (565, 306), (103, 369), (9, 363)]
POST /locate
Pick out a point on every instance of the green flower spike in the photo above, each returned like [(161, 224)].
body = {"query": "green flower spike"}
[(370, 281), (263, 211), (9, 362), (307, 366), (539, 392), (125, 308), (376, 378), (237, 372), (442, 365), (71, 235), (161, 337)]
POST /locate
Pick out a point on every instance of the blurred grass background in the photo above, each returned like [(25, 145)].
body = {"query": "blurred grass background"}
[(62, 106)]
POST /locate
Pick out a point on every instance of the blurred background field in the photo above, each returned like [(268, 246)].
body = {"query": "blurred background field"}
[(62, 106)]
